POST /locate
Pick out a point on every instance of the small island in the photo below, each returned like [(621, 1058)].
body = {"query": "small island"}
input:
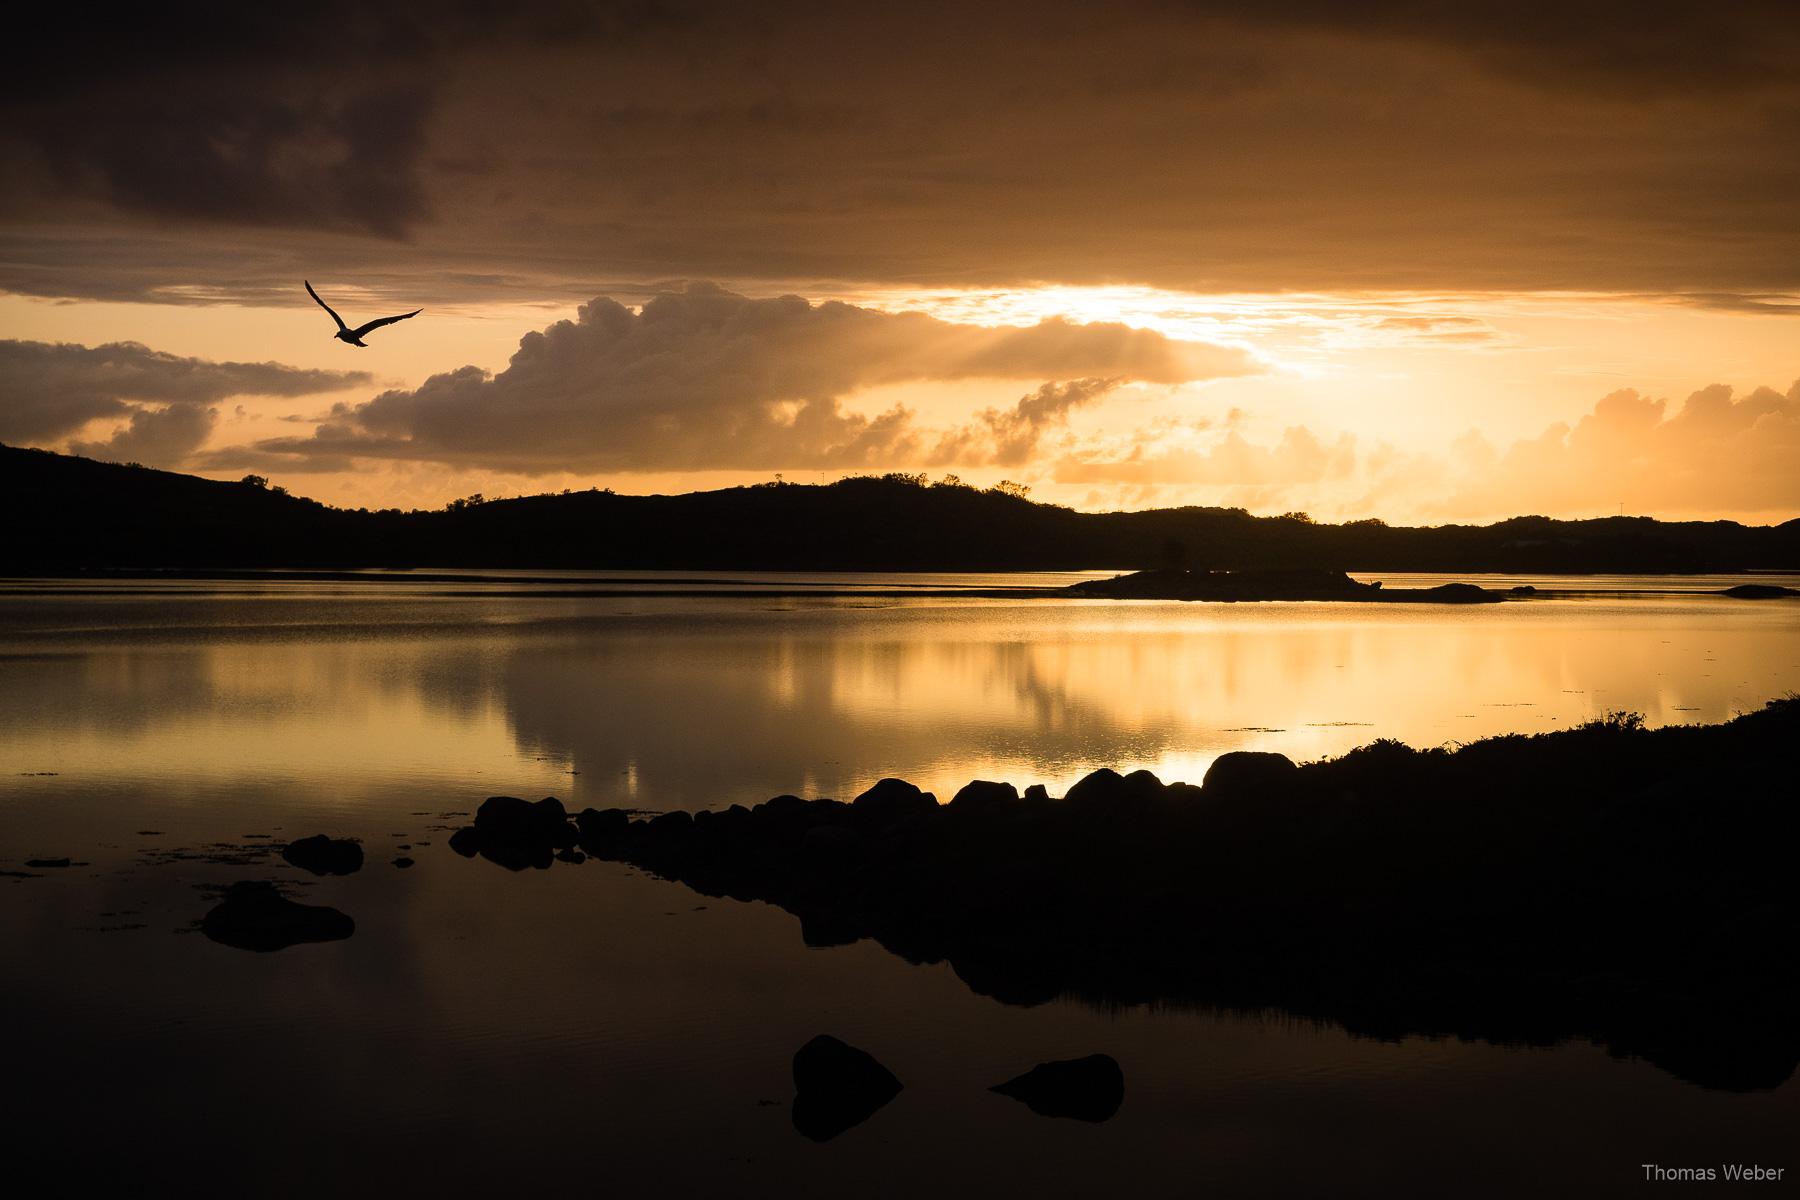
[(1177, 583)]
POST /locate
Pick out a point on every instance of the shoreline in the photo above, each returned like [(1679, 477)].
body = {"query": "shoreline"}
[(1612, 883), (1161, 584)]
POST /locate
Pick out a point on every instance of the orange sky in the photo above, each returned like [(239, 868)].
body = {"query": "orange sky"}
[(1409, 263)]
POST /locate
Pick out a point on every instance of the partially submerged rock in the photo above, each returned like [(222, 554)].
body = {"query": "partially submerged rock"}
[(324, 855), (516, 833), (1081, 1089), (893, 800), (983, 794), (1107, 790), (837, 1086), (254, 915), (1249, 773), (508, 820)]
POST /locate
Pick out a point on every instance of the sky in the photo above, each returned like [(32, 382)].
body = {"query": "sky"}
[(1413, 261)]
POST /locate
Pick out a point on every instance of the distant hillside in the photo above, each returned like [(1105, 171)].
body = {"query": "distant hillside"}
[(66, 513)]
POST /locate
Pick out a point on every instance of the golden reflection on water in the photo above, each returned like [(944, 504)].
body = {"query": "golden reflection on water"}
[(667, 702)]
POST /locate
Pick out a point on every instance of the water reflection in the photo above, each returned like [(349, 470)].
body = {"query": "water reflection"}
[(637, 1026), (692, 703)]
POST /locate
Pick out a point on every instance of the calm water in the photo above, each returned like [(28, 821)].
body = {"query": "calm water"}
[(594, 1027)]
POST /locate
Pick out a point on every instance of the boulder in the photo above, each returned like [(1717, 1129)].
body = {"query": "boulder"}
[(1081, 1089), (663, 824), (893, 800), (837, 1086), (403, 861), (1037, 793), (324, 855), (598, 825), (1248, 772), (254, 915), (508, 820), (1107, 788), (983, 794)]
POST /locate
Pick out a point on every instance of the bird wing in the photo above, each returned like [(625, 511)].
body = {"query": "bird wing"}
[(380, 321), (325, 306)]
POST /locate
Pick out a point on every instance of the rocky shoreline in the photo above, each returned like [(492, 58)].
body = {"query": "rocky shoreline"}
[(1615, 883)]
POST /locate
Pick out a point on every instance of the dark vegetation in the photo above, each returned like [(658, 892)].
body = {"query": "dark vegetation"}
[(1626, 885), (65, 513)]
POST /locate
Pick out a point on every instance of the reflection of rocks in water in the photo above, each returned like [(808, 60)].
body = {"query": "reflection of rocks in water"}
[(254, 915), (1083, 1089), (837, 1086), (1609, 882), (324, 855), (42, 864)]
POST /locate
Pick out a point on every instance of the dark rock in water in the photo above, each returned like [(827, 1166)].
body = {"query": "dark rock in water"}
[(508, 820), (324, 855), (1759, 591), (1037, 793), (42, 863), (1083, 1089), (837, 1086), (1524, 589), (1248, 772), (256, 916), (1107, 788), (892, 800), (600, 825), (679, 821), (517, 834), (570, 856), (1452, 593), (403, 861), (984, 793)]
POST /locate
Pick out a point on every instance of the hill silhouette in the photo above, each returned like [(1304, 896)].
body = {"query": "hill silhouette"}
[(69, 513)]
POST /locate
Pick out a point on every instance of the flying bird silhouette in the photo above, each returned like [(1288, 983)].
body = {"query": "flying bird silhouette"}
[(351, 336)]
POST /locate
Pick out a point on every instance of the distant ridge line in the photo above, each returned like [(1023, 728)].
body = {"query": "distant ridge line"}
[(62, 512)]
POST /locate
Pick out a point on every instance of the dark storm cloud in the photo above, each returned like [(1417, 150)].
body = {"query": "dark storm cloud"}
[(707, 378), (293, 116), (50, 390), (1641, 47), (1296, 144)]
